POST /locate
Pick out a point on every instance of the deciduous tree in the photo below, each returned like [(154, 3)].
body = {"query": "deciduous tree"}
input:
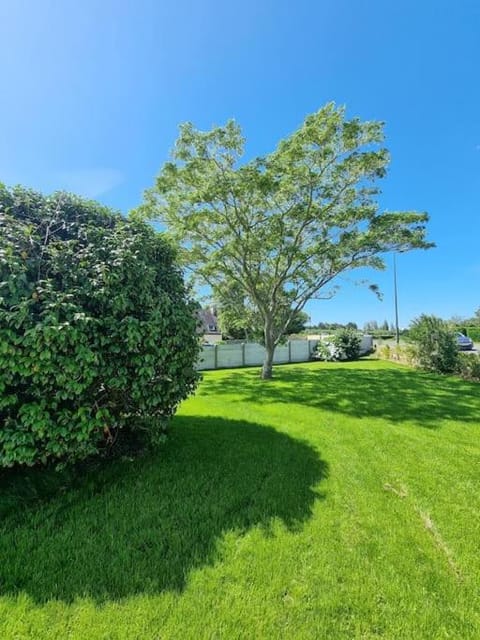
[(285, 225)]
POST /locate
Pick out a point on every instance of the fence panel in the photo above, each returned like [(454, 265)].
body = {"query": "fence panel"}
[(281, 354), (299, 350), (229, 355), (207, 358), (252, 354)]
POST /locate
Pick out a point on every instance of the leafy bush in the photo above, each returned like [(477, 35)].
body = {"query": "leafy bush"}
[(435, 344), (384, 352), (468, 366), (343, 345), (473, 333), (97, 332), (347, 344), (406, 354), (324, 351)]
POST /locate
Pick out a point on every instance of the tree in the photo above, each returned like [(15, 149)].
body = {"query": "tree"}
[(435, 344), (285, 225), (456, 321), (297, 324), (97, 330), (239, 321), (371, 325)]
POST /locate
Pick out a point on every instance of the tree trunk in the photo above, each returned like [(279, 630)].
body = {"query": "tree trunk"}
[(267, 372)]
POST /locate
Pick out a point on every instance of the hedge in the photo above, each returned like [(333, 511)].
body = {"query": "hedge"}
[(97, 330)]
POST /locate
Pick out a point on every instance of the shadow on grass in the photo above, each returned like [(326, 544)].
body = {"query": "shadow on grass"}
[(142, 526), (360, 390)]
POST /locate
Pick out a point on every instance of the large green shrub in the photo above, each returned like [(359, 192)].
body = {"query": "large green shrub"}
[(346, 343), (468, 366), (97, 332), (343, 345), (435, 344)]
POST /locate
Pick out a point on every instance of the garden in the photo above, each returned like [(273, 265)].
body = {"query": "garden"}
[(339, 500), (330, 499)]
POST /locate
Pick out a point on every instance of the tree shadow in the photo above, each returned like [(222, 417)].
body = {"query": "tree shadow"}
[(362, 391), (141, 526)]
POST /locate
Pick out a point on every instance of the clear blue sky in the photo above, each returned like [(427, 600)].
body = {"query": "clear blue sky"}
[(93, 92)]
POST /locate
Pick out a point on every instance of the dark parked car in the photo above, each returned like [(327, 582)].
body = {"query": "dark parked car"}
[(464, 342)]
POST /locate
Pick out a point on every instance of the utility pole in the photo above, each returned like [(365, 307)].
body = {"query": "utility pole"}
[(397, 331)]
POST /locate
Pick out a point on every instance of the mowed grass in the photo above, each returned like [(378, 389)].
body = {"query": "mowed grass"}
[(337, 501)]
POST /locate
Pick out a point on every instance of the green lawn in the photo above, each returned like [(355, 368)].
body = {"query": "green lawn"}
[(338, 501)]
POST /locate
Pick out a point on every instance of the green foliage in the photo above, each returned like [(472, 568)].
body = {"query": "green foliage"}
[(468, 366), (97, 332), (346, 343), (473, 332), (469, 328), (473, 321), (324, 351), (384, 352), (241, 321), (281, 227), (382, 334), (297, 324), (330, 326), (403, 353), (435, 344)]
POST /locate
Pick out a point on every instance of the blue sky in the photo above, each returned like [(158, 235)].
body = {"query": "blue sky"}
[(93, 92)]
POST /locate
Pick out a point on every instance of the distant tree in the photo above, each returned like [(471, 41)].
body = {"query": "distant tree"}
[(371, 325), (297, 323), (384, 326), (285, 225), (351, 325), (457, 320)]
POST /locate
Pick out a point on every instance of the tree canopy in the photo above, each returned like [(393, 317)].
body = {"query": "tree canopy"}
[(283, 226)]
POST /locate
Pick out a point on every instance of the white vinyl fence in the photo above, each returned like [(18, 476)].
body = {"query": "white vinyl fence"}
[(249, 354)]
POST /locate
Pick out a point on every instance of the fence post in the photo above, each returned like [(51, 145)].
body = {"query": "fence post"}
[(289, 351), (215, 355), (243, 354)]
